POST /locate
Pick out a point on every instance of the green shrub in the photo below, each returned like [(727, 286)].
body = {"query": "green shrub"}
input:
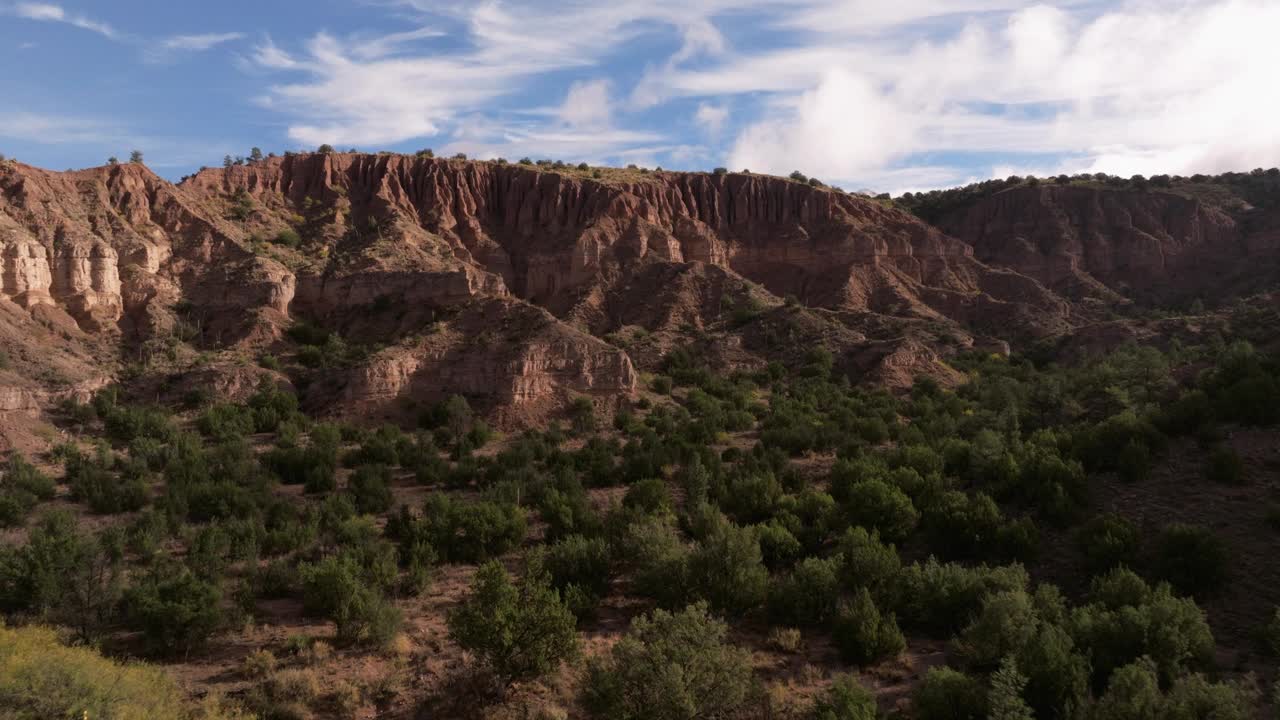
[(1005, 698), (93, 481), (288, 238), (370, 489), (727, 570), (1057, 674), (1193, 697), (579, 568), (866, 562), (567, 510), (313, 466), (338, 588), (22, 486), (517, 631), (967, 527), (453, 415), (582, 416), (63, 575), (1134, 462), (1225, 467), (226, 422), (1133, 693), (124, 423), (175, 610), (946, 694), (808, 595), (471, 531), (875, 504), (658, 558), (1193, 559), (1108, 541), (670, 667), (865, 635), (846, 700), (1002, 628), (650, 496), (1128, 620), (778, 547), (943, 598)]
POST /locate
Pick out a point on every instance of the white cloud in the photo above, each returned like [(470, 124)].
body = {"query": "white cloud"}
[(46, 129), (845, 122), (482, 137), (1143, 89), (587, 105), (48, 12), (273, 58), (378, 101), (382, 46), (375, 98), (711, 117), (855, 91), (200, 42)]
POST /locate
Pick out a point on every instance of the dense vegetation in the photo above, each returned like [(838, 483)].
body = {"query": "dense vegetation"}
[(925, 524), (1259, 188)]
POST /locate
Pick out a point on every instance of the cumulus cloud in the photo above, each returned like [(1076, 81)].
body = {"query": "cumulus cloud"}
[(48, 12), (1143, 89), (845, 122)]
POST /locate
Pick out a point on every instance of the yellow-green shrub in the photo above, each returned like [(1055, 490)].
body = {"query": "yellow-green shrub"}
[(41, 678)]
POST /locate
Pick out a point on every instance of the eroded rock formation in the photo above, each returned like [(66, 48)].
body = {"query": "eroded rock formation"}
[(1086, 241), (525, 286)]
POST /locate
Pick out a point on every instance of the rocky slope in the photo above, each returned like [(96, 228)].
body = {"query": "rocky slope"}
[(405, 279), (1110, 243), (603, 253), (551, 235)]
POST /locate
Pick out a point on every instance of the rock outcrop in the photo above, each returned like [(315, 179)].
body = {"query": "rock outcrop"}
[(413, 235), (547, 233), (1104, 242), (526, 286)]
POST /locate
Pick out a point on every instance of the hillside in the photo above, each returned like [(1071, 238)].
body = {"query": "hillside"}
[(380, 436)]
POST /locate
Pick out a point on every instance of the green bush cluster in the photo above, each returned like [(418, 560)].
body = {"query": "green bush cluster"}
[(709, 520), (22, 487)]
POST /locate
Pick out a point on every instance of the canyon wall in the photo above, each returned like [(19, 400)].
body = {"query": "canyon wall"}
[(1101, 241), (527, 286)]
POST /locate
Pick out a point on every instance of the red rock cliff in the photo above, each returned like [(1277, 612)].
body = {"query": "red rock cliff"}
[(549, 234), (1091, 241)]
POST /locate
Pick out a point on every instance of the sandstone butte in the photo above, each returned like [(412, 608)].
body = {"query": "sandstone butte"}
[(524, 287)]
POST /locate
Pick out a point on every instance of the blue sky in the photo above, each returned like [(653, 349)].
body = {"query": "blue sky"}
[(866, 94)]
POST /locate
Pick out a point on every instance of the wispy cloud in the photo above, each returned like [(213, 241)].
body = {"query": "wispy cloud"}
[(379, 96), (200, 42), (857, 92), (385, 45), (377, 101), (47, 129), (48, 12)]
